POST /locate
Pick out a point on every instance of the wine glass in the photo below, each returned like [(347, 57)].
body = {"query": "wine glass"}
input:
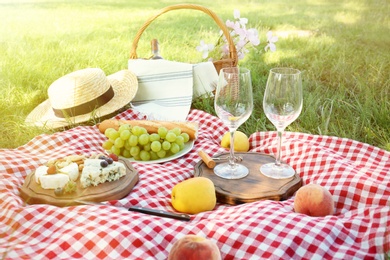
[(233, 104), (282, 105)]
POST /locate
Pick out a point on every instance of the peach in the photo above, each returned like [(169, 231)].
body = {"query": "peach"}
[(194, 247), (314, 200)]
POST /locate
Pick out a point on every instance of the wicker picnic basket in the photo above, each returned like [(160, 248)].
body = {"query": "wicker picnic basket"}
[(219, 64)]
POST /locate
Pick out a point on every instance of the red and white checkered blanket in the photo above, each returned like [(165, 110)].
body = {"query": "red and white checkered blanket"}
[(357, 174)]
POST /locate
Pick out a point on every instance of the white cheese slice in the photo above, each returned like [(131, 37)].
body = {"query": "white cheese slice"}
[(53, 181), (93, 173), (115, 171), (40, 171), (72, 170), (92, 162)]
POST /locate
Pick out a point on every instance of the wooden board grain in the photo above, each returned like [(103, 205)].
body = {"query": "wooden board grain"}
[(253, 187), (32, 193)]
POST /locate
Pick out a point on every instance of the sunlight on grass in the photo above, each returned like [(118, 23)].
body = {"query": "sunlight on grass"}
[(340, 46), (293, 33), (346, 18), (353, 15)]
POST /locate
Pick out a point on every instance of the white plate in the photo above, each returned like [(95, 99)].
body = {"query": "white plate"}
[(187, 148)]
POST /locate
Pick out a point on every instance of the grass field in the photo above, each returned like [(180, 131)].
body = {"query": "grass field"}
[(341, 47)]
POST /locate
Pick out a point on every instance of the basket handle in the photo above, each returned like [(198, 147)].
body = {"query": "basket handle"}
[(219, 22)]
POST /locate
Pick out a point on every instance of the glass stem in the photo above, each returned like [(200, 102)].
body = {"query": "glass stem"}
[(279, 151), (231, 157)]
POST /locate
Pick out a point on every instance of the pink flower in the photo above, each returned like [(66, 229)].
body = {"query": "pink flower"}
[(242, 21), (241, 32), (236, 14), (204, 49), (253, 36), (232, 24), (241, 54), (241, 37), (241, 44), (225, 50), (271, 39)]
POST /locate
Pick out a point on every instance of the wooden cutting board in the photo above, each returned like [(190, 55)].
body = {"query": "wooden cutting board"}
[(255, 186), (32, 193)]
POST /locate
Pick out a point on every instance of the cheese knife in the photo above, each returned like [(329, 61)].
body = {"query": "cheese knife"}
[(155, 212)]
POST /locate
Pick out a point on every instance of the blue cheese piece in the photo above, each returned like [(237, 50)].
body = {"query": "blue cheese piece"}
[(53, 181), (40, 171), (72, 170), (93, 173)]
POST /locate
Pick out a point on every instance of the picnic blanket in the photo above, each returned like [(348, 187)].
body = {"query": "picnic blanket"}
[(357, 174)]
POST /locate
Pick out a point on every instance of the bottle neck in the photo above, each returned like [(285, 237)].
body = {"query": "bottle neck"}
[(155, 50)]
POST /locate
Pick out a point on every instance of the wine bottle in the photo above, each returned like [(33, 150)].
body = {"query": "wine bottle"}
[(155, 50)]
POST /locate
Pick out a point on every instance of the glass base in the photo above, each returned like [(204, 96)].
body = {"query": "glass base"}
[(274, 171), (227, 171)]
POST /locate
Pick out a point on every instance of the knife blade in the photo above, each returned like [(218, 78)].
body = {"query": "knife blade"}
[(149, 211)]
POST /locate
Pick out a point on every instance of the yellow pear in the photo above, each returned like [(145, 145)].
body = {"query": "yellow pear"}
[(241, 141), (194, 195)]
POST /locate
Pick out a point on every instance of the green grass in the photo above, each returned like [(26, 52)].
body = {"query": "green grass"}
[(345, 59)]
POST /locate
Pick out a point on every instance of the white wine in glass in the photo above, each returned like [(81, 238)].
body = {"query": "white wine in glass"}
[(282, 105), (233, 104)]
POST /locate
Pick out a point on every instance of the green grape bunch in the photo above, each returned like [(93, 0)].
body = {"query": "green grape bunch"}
[(135, 142)]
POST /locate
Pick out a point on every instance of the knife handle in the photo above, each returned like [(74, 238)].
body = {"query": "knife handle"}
[(161, 213)]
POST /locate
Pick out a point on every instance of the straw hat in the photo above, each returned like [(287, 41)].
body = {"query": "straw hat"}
[(83, 95)]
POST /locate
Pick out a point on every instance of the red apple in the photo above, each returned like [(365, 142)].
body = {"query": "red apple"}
[(194, 247), (314, 200)]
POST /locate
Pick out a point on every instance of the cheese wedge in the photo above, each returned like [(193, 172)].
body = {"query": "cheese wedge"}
[(40, 171), (93, 173), (53, 181), (72, 170)]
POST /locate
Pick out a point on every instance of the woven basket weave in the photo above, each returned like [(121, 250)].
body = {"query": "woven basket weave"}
[(219, 64)]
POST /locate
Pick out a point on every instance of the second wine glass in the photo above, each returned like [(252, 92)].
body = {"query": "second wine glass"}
[(282, 104), (233, 104)]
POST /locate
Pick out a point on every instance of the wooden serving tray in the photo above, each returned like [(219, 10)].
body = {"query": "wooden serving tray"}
[(32, 193), (255, 186)]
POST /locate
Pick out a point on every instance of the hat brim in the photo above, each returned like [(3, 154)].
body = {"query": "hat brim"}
[(125, 86)]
